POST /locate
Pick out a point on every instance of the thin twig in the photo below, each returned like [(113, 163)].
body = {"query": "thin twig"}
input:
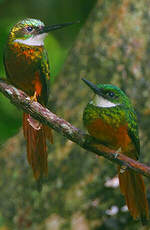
[(45, 116)]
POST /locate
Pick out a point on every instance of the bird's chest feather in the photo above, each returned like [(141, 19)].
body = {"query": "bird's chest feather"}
[(23, 67), (114, 136)]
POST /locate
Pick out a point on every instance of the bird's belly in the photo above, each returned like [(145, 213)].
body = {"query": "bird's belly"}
[(24, 75), (114, 137)]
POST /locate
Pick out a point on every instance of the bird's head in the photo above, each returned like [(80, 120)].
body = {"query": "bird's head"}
[(32, 31), (107, 95)]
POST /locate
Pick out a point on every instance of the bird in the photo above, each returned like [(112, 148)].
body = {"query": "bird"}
[(111, 119), (27, 68)]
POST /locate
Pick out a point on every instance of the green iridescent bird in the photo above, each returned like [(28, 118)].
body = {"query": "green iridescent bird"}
[(110, 118), (27, 68)]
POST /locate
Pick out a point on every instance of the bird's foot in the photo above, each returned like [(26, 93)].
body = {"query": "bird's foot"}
[(123, 168), (34, 97), (117, 152)]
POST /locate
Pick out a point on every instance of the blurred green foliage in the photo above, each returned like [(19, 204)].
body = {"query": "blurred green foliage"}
[(112, 47), (57, 43)]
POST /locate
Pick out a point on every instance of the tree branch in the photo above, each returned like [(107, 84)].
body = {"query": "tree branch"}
[(45, 116)]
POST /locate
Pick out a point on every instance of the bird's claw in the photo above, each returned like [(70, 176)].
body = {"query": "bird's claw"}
[(117, 153), (123, 169), (34, 97)]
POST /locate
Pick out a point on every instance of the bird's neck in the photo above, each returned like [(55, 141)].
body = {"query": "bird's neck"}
[(112, 116), (30, 52)]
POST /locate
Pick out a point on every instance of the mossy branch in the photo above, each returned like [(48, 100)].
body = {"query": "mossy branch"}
[(45, 116)]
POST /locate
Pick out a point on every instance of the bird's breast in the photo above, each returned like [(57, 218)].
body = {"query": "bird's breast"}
[(23, 67), (114, 137)]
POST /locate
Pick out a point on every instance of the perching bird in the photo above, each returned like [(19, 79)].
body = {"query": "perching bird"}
[(110, 118), (27, 68)]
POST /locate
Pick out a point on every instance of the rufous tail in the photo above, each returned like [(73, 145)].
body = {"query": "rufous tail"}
[(133, 188), (35, 134)]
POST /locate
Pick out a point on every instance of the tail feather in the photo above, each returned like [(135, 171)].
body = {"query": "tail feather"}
[(133, 188), (35, 134), (49, 135)]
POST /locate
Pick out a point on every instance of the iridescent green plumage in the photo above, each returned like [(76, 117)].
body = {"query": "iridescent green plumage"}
[(115, 116), (27, 68), (111, 119)]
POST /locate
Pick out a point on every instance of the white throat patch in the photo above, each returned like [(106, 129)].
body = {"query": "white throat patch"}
[(37, 40), (102, 102)]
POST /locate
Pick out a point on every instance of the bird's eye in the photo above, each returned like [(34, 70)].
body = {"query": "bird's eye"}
[(29, 28), (111, 94)]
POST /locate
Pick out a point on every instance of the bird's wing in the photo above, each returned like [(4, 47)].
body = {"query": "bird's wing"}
[(133, 131), (45, 77)]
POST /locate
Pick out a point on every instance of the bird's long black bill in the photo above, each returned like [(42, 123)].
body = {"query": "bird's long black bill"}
[(47, 29), (92, 86)]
